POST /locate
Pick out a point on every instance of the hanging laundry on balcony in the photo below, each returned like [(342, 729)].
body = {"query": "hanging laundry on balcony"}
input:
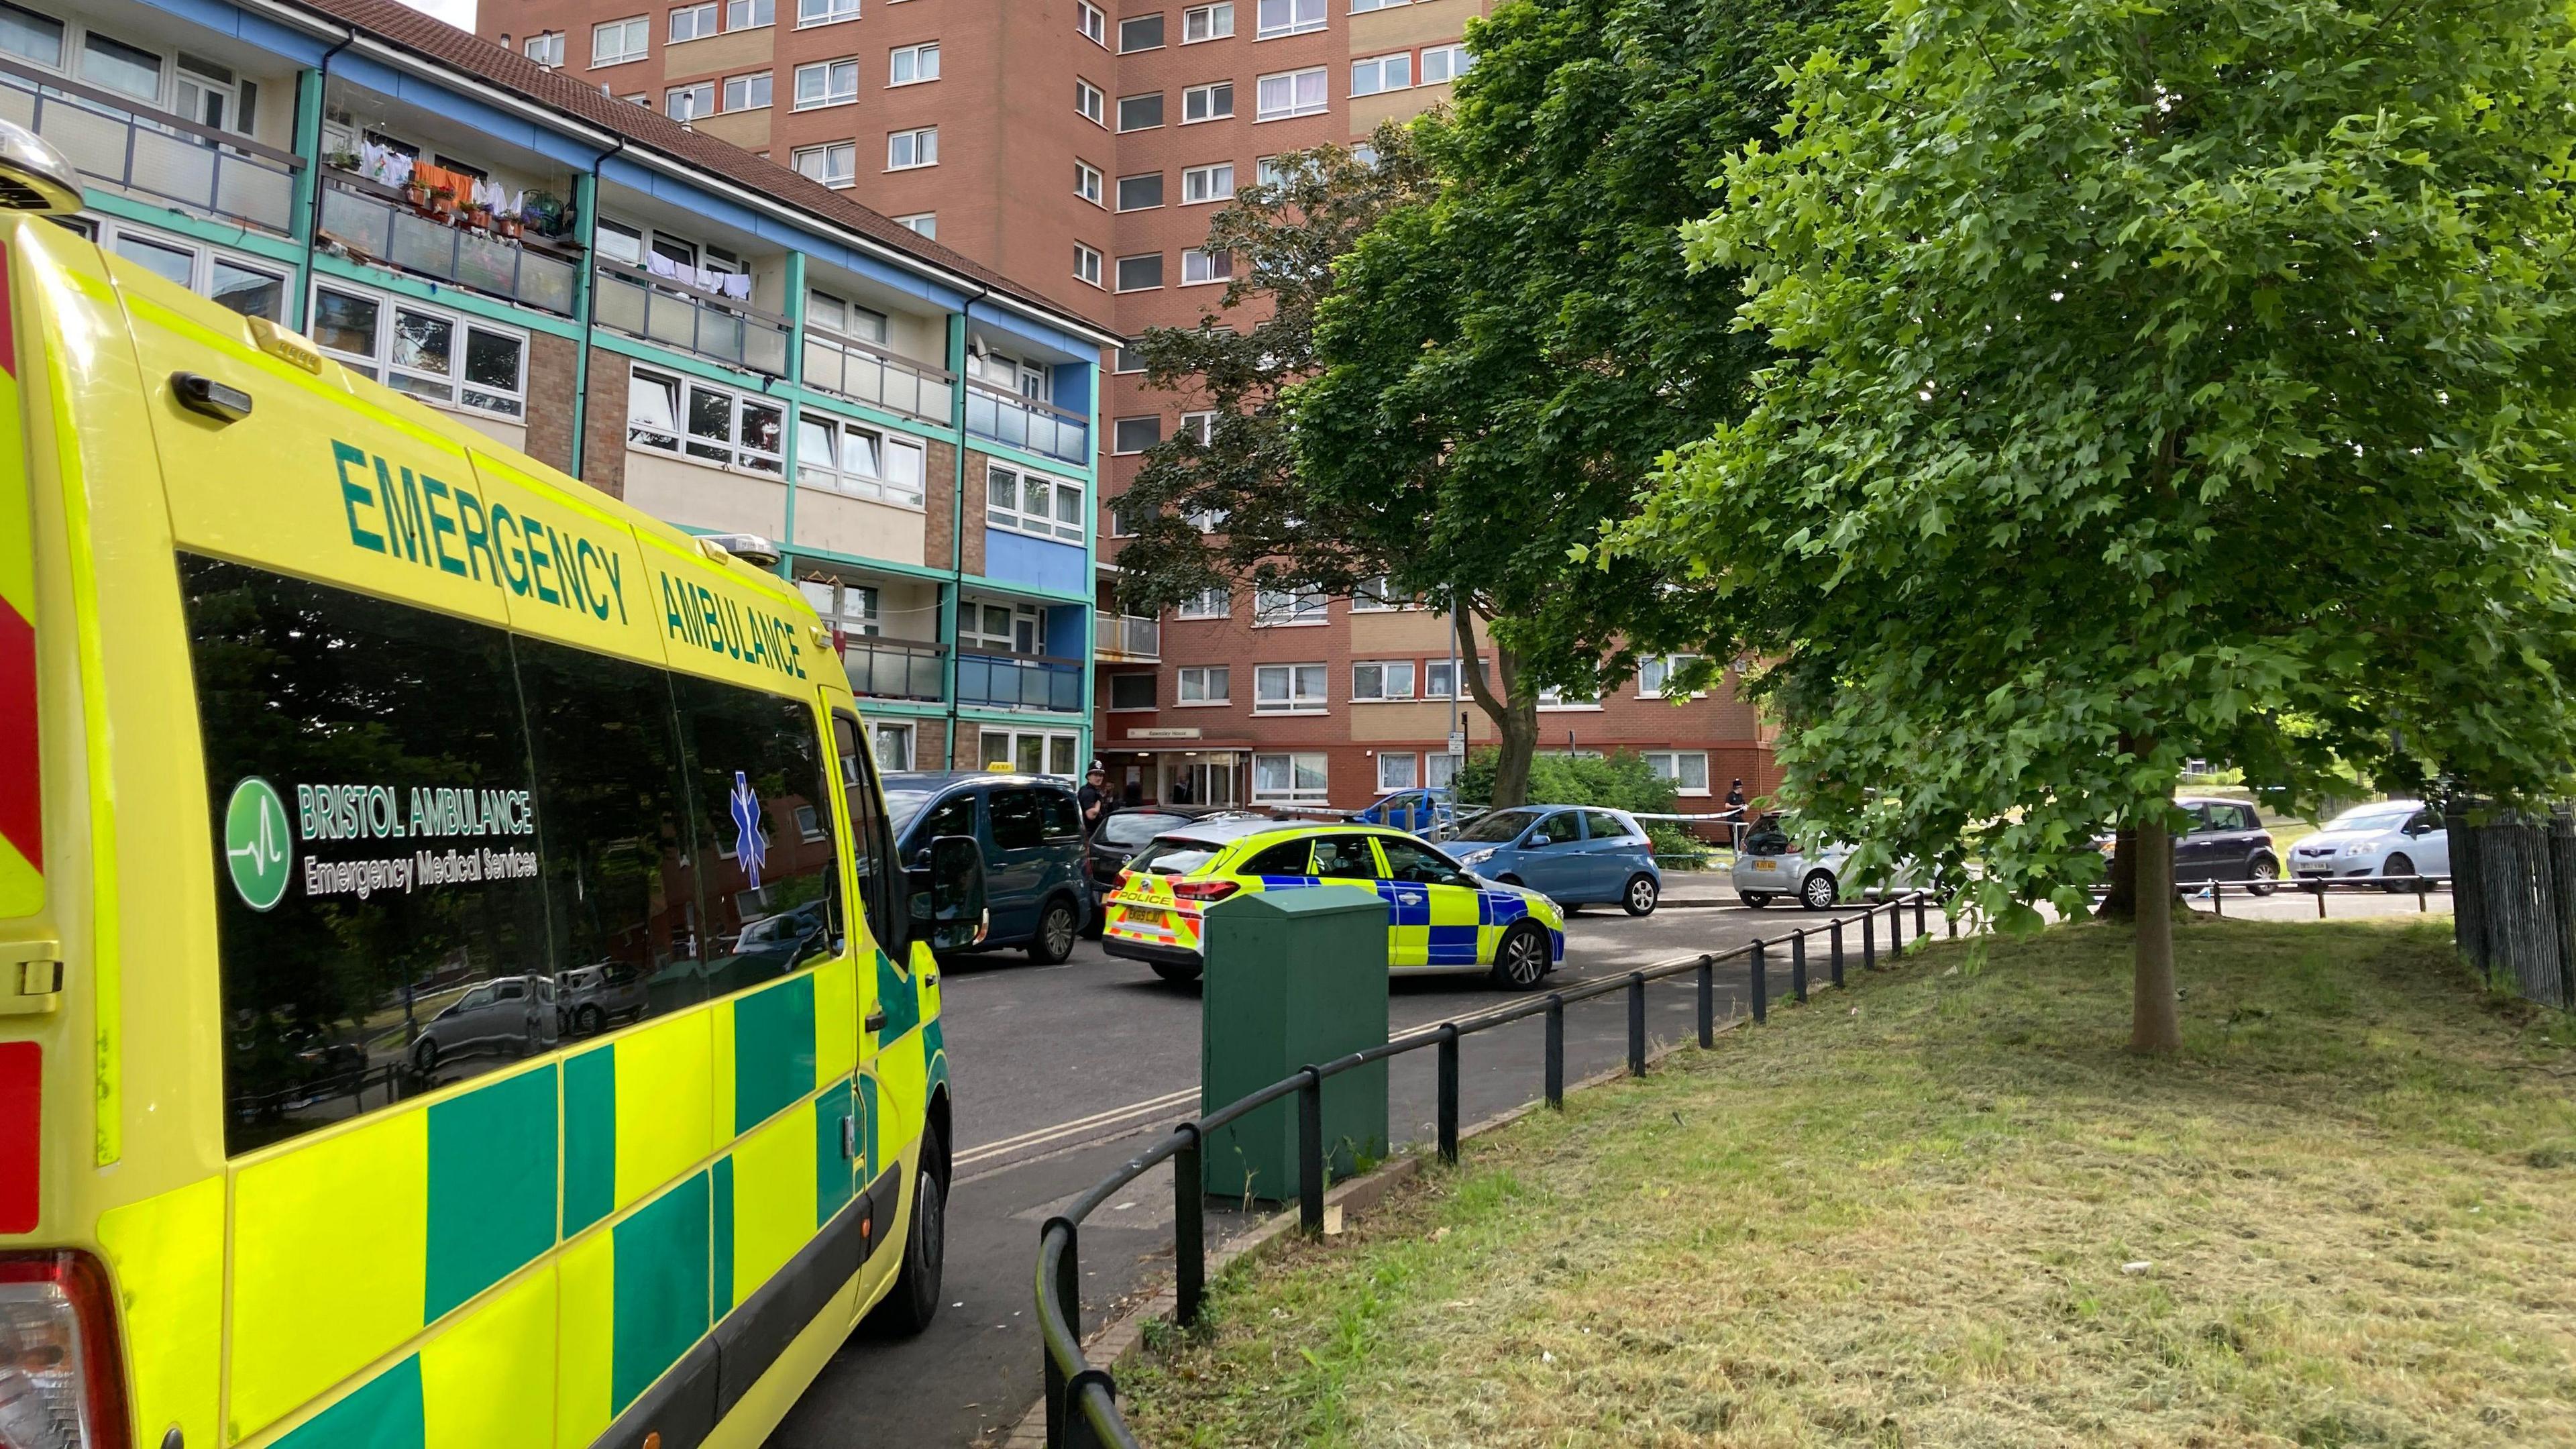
[(738, 287), (662, 266)]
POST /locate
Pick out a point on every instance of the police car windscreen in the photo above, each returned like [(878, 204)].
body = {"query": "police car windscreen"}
[(1174, 855)]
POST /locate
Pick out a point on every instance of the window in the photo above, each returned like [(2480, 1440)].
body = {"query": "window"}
[(620, 41), (1292, 93), (1289, 779), (847, 458), (1207, 604), (833, 165), (718, 425), (747, 92), (1206, 22), (1032, 752), (1287, 606), (745, 14), (1290, 17), (850, 608), (1268, 172), (1396, 772), (1205, 684), (827, 83), (1140, 273), (924, 222), (1140, 193), (1199, 267), (1131, 691), (1439, 679), (1439, 771), (912, 64), (1212, 102), (1284, 690), (1140, 32), (31, 36), (693, 22), (1087, 19), (846, 319), (1128, 359), (1362, 7), (1444, 63), (909, 150), (1384, 679), (1372, 597), (824, 12), (1381, 73), (1554, 698), (1086, 181), (1140, 113), (1200, 427), (893, 746), (1031, 503), (1207, 183), (1687, 769), (999, 628), (437, 357), (1365, 155), (1086, 263), (1134, 435), (687, 103), (1652, 674), (1087, 102), (546, 49), (252, 289)]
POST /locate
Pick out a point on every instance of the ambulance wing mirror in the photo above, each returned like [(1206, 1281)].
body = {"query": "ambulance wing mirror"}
[(947, 895), (34, 176)]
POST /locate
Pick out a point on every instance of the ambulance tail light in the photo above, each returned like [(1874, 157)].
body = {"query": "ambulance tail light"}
[(62, 1385), (1205, 891)]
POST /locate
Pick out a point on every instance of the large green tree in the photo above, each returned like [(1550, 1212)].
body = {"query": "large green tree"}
[(2154, 381)]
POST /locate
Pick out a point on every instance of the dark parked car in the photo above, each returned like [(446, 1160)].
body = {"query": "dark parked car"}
[(2225, 840), (1030, 829), (1124, 833)]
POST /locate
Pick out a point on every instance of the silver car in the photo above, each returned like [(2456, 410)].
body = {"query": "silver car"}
[(1771, 866), (2397, 840)]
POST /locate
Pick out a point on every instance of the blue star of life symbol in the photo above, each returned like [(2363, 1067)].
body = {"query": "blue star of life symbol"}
[(747, 842)]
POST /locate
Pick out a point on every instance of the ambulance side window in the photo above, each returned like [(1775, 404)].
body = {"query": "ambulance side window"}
[(767, 868), (880, 887)]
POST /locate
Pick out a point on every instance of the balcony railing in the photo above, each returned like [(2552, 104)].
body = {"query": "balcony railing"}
[(1027, 424), (1127, 638), (865, 372), (639, 304), (1019, 681), (893, 668), (373, 221), (153, 155)]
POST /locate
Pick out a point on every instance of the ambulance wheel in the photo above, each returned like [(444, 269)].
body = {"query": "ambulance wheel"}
[(1176, 973), (1058, 924), (1520, 958), (915, 1299)]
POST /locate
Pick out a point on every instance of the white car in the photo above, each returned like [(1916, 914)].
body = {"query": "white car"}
[(2394, 839), (1770, 866)]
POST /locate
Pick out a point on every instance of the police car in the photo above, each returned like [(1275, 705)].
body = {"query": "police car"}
[(1441, 919)]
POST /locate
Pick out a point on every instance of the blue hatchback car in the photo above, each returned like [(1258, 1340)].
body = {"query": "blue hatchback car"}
[(1575, 855), (1031, 830)]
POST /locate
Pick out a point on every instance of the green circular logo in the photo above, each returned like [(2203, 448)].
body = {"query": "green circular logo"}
[(256, 843)]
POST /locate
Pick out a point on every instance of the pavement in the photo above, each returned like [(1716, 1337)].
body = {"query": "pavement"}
[(1064, 1072)]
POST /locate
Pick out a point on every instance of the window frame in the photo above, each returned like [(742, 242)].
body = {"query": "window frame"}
[(1153, 697), (1668, 663), (769, 90), (1674, 757), (1323, 76), (1207, 263), (1209, 14), (686, 387), (1454, 55), (709, 9), (1097, 111), (1262, 29), (462, 326), (1412, 771), (1117, 430), (1088, 183), (920, 223), (546, 48), (919, 50), (1220, 677), (1206, 175), (1384, 668), (1306, 608), (1195, 606), (831, 13), (1294, 698), (751, 9), (622, 57), (1320, 794), (1086, 264), (880, 486), (1094, 26), (1156, 124), (1208, 90), (203, 258), (796, 162), (1152, 286), (1156, 204), (1160, 39), (1378, 65), (829, 98), (1016, 518), (925, 142), (670, 94)]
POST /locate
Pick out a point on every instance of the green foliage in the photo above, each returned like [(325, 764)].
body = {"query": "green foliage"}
[(1618, 780), (2154, 382)]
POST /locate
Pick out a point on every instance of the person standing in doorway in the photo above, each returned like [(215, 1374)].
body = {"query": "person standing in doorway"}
[(1181, 790)]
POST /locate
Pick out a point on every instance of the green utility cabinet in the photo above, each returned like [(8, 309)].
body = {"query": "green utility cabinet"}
[(1294, 978)]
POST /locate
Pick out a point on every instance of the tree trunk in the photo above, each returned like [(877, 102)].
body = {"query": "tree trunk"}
[(2122, 902), (2155, 1012), (1515, 719)]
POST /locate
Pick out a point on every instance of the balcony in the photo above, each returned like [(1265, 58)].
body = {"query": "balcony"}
[(864, 372), (1126, 638), (893, 668), (1027, 424), (720, 329), (153, 155), (374, 223), (1019, 681)]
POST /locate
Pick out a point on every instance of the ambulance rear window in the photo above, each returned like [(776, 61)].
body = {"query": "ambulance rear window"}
[(1174, 855)]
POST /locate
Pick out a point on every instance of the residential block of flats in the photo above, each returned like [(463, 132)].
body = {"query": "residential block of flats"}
[(1081, 147)]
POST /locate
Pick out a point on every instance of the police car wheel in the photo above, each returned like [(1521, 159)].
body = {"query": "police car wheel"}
[(1057, 926), (1175, 973), (1817, 892), (1641, 896), (1756, 899), (1520, 959)]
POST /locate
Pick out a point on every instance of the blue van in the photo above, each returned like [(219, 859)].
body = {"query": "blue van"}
[(1031, 830), (1575, 855)]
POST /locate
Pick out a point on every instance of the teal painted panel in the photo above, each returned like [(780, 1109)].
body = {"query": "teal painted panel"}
[(832, 1168), (661, 1289), (773, 1051), (491, 1187), (589, 1138), (385, 1412), (723, 1253)]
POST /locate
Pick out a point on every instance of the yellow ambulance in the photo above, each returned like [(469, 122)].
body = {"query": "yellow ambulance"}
[(455, 986)]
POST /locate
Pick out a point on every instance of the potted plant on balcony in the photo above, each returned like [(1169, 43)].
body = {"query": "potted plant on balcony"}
[(507, 222), (544, 213), (416, 193)]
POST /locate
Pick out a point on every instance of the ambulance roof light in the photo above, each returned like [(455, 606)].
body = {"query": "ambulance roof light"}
[(34, 176)]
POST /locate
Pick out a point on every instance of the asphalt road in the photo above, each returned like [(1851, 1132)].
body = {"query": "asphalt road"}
[(1063, 1071)]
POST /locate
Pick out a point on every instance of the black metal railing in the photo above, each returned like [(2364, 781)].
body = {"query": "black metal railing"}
[(2422, 887), (127, 145), (1081, 1398), (1019, 681)]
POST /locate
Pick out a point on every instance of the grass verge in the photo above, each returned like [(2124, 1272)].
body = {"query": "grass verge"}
[(1947, 1208)]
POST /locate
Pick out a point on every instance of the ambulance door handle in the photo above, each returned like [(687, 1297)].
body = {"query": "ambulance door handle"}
[(203, 395), (876, 1020)]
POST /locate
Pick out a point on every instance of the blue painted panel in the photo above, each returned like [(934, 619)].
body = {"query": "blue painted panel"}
[(998, 324), (256, 30), (1073, 386), (1016, 558), (457, 105), (1068, 631)]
